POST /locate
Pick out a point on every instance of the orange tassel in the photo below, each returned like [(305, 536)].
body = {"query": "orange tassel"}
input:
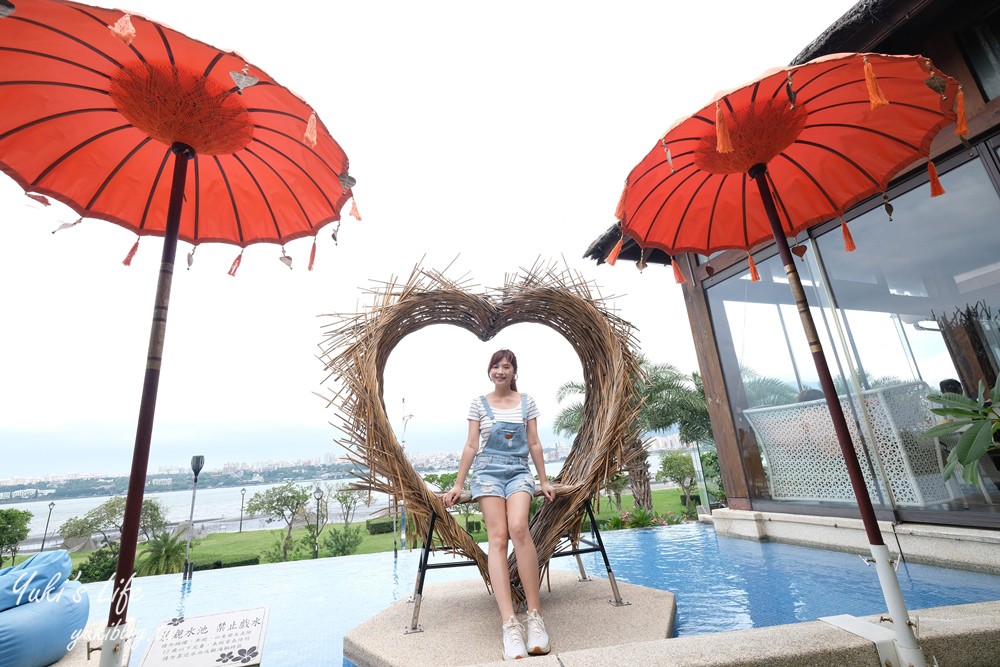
[(848, 239), (875, 96), (312, 256), (754, 276), (722, 141), (131, 253), (961, 125), (123, 29), (613, 255), (936, 188), (678, 276), (620, 210), (354, 210), (236, 264), (310, 135)]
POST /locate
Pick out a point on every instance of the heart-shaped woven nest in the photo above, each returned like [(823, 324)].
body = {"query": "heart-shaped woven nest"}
[(358, 346)]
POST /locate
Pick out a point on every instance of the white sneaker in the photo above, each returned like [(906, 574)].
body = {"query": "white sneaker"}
[(513, 640), (538, 638)]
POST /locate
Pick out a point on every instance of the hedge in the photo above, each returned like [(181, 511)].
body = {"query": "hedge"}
[(378, 526)]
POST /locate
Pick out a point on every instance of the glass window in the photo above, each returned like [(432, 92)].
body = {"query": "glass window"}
[(981, 44), (894, 319)]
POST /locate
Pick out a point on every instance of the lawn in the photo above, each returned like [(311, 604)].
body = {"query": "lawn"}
[(236, 547), (230, 549)]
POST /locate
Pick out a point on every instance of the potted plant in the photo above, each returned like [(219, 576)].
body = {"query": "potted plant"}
[(975, 422)]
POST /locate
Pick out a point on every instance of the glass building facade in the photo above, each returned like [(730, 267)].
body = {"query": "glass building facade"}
[(917, 303)]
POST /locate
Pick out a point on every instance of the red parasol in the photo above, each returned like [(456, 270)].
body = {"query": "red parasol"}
[(91, 117), (793, 149), (96, 107), (830, 133)]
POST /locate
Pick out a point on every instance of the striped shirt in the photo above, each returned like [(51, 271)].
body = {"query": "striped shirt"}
[(478, 413)]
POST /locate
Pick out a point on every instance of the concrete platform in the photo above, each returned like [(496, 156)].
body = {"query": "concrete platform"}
[(94, 634), (461, 625)]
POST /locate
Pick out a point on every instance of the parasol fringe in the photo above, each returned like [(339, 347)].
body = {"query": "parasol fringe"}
[(236, 264), (312, 255), (848, 239), (620, 209), (310, 135), (723, 144), (354, 209), (123, 29), (613, 255), (678, 275), (131, 253), (936, 188), (962, 124), (754, 276), (875, 96)]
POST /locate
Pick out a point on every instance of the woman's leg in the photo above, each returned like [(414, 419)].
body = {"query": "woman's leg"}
[(524, 549), (495, 514)]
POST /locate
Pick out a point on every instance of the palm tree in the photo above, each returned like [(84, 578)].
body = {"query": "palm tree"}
[(762, 390), (567, 423), (694, 423), (164, 554), (668, 400)]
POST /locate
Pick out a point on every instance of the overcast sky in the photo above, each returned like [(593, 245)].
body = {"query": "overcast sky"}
[(486, 135)]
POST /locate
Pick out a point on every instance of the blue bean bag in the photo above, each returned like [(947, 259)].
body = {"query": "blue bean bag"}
[(41, 620), (22, 583), (40, 633)]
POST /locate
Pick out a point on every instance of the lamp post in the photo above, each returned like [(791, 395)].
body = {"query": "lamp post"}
[(318, 495), (243, 497), (197, 463), (45, 534)]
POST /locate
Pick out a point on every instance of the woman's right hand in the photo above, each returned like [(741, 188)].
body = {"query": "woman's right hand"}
[(451, 497)]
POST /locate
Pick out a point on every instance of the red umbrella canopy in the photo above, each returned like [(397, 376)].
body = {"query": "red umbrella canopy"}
[(93, 100), (831, 133)]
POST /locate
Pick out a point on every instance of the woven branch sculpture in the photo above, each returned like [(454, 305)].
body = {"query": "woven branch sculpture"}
[(358, 345)]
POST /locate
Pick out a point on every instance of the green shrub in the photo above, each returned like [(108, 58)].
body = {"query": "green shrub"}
[(378, 526), (218, 564), (99, 566), (473, 526), (343, 542), (641, 518), (602, 524), (668, 519)]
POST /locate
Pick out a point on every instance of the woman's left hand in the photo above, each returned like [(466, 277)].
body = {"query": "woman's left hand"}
[(548, 490)]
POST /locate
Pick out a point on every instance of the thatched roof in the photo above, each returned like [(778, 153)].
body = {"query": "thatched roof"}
[(631, 251), (864, 27)]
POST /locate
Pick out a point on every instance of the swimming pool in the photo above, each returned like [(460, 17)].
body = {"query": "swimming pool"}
[(720, 583)]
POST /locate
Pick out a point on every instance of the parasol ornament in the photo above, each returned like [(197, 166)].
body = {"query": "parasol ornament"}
[(243, 80)]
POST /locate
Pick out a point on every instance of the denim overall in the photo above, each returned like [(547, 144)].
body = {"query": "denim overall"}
[(501, 468)]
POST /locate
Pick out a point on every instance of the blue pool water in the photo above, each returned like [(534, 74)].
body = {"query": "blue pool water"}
[(720, 583)]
